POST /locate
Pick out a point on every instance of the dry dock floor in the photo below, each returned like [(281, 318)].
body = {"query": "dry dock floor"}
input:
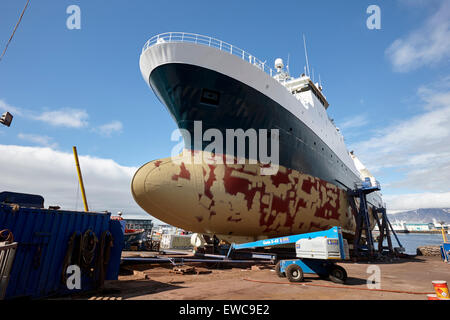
[(153, 282)]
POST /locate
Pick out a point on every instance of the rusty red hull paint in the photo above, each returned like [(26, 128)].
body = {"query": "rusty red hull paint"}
[(184, 173), (236, 199)]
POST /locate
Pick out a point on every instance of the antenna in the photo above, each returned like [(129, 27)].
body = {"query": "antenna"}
[(306, 55), (320, 81), (287, 66)]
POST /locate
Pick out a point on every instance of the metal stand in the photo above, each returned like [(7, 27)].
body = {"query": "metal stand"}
[(364, 246)]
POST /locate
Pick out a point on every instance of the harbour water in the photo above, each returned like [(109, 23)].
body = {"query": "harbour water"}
[(411, 241)]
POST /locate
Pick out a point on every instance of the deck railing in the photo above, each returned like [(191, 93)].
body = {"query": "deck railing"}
[(210, 42)]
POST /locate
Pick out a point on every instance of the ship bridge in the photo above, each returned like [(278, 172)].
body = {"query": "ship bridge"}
[(304, 83)]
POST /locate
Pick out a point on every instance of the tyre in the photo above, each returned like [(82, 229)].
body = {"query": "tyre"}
[(338, 274), (294, 273), (324, 276), (278, 270)]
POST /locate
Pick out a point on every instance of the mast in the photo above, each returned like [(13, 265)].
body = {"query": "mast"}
[(306, 55)]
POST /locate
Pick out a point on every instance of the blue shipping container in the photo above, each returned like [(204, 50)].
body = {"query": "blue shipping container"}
[(43, 242)]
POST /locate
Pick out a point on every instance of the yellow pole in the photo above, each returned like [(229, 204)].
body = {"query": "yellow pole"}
[(80, 179), (443, 233)]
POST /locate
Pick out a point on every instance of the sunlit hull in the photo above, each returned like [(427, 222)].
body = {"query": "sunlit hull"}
[(236, 201)]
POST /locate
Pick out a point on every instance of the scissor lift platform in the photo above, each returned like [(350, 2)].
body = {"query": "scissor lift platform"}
[(317, 253)]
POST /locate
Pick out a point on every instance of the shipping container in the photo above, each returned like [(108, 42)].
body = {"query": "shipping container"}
[(51, 240), (174, 241)]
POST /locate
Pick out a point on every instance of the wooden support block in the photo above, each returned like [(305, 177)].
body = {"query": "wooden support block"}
[(183, 270)]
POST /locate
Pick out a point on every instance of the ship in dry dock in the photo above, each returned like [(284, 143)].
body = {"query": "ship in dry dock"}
[(199, 78)]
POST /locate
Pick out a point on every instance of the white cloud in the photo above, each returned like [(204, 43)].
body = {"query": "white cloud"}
[(66, 117), (38, 139), (109, 128), (354, 122), (405, 202), (11, 109), (427, 45), (419, 149), (52, 174)]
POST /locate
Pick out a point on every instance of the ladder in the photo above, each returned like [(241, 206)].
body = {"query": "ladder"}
[(365, 246)]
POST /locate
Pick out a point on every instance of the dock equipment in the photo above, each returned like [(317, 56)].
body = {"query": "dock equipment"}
[(445, 247), (364, 246), (22, 199), (48, 241), (317, 253), (7, 253), (445, 251)]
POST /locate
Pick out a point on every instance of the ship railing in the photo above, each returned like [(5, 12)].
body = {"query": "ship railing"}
[(210, 42)]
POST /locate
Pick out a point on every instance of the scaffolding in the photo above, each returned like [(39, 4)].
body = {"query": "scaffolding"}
[(364, 243)]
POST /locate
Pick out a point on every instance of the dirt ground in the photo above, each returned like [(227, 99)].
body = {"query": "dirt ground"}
[(158, 282)]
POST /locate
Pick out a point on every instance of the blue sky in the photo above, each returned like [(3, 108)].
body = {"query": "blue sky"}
[(388, 89)]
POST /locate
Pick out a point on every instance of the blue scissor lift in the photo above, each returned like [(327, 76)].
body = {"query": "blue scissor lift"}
[(316, 252)]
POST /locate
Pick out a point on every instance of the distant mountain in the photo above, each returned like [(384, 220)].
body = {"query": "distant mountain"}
[(422, 215)]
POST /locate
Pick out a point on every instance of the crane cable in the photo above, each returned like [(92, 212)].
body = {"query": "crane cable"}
[(15, 28)]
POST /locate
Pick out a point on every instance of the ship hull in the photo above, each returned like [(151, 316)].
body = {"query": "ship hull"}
[(307, 193), (239, 106), (236, 201)]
